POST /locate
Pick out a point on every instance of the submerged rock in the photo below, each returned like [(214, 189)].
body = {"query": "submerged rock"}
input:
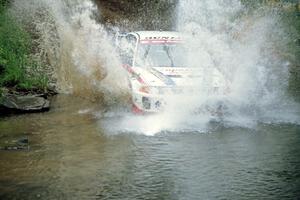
[(23, 141), (14, 103), (13, 142)]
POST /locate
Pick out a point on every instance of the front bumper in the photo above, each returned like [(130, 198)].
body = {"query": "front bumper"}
[(148, 103)]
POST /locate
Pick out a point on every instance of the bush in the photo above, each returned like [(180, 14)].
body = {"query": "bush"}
[(16, 60)]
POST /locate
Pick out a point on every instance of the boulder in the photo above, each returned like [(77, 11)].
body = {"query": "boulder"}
[(14, 103)]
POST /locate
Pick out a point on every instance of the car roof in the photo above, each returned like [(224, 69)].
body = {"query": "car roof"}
[(156, 35)]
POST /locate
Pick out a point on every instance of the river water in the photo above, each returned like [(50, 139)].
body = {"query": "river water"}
[(73, 156)]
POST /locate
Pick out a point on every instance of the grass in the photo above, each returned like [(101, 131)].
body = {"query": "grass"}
[(17, 66)]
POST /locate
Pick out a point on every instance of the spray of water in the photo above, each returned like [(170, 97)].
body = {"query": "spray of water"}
[(245, 48), (219, 35), (78, 48)]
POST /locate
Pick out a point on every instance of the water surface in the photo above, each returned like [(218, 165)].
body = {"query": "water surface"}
[(72, 157)]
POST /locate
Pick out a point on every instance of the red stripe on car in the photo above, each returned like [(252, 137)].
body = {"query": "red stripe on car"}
[(132, 72)]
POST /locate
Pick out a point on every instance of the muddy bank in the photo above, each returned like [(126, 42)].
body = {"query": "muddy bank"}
[(138, 15)]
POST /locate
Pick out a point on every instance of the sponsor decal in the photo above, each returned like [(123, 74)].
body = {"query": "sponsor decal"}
[(160, 40)]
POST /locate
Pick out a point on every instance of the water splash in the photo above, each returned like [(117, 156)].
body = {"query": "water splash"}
[(78, 48), (246, 48), (223, 35)]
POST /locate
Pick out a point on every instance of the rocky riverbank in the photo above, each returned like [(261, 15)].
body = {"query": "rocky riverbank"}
[(18, 102)]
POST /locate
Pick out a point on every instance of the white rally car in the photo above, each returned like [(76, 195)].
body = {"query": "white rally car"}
[(158, 70)]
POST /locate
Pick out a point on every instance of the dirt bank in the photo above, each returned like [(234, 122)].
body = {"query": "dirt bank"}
[(138, 15)]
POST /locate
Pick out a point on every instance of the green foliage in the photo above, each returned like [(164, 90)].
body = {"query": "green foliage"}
[(16, 61)]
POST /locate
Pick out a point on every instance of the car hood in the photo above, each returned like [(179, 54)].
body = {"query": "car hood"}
[(175, 76)]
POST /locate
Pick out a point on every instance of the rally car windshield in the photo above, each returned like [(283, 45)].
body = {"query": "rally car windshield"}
[(161, 55)]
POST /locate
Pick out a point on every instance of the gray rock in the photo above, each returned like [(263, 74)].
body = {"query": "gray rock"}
[(14, 142), (20, 103)]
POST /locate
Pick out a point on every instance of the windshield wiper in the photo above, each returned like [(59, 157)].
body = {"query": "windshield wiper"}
[(146, 52), (166, 48)]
